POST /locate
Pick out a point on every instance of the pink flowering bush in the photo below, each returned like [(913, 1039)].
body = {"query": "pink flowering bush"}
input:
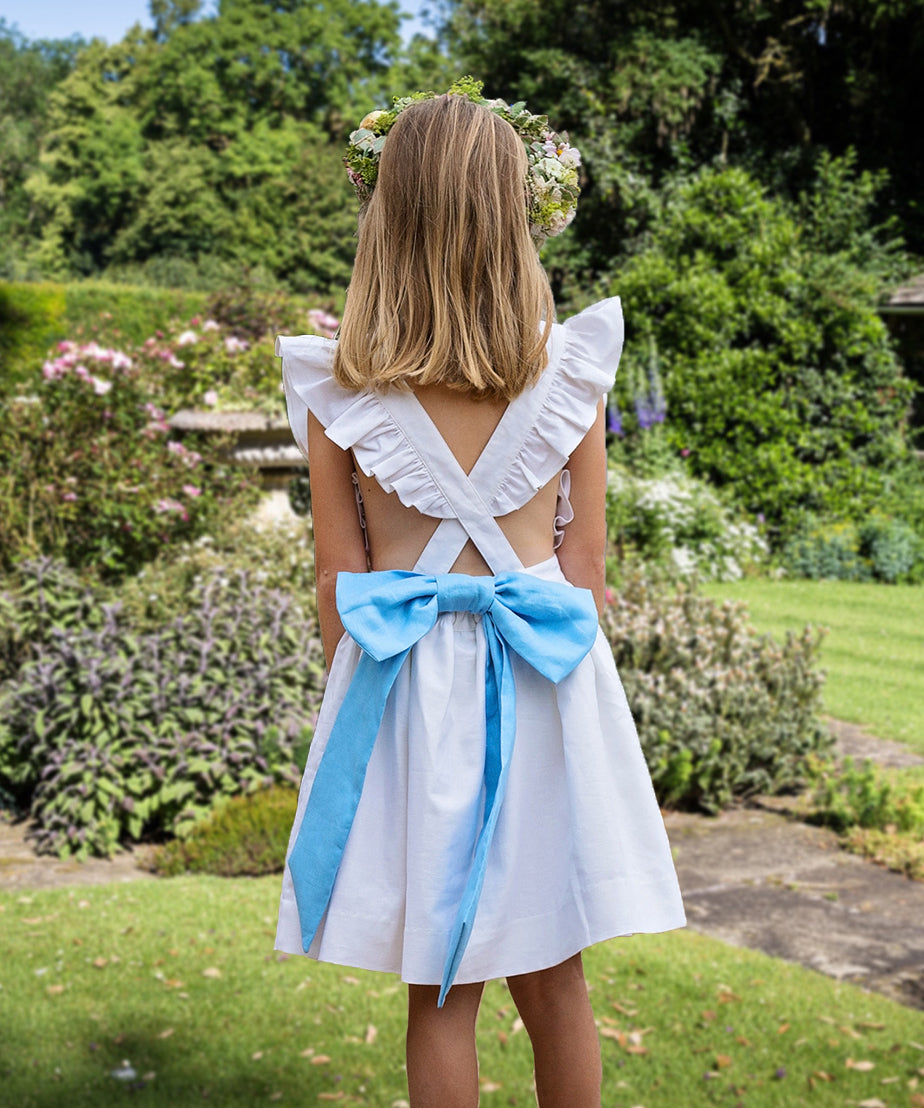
[(210, 364), (224, 358), (91, 474)]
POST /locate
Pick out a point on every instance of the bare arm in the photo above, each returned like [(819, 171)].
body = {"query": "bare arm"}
[(582, 554), (338, 537)]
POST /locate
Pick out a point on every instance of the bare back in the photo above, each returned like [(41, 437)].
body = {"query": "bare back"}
[(397, 534)]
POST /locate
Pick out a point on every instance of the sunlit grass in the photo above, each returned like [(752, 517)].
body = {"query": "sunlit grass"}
[(178, 979), (873, 653)]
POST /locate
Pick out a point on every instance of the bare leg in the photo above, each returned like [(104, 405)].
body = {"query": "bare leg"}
[(442, 1064), (556, 1011)]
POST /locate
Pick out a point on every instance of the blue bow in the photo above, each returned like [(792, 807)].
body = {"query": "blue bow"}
[(551, 625)]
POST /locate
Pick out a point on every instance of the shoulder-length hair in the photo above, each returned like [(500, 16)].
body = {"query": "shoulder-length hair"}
[(447, 286)]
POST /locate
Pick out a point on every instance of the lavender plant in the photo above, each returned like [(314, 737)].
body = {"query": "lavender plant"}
[(109, 735), (722, 712)]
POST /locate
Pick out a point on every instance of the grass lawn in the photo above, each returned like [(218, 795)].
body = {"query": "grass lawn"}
[(177, 979), (873, 653)]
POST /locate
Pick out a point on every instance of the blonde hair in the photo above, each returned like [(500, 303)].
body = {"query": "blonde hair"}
[(447, 286)]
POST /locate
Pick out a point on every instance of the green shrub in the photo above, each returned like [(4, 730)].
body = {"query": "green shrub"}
[(903, 493), (722, 712), (879, 548), (226, 359), (779, 377), (252, 313), (279, 556), (299, 492), (826, 551), (109, 733), (246, 836), (92, 476), (42, 598), (899, 852), (678, 523), (850, 796), (892, 548), (876, 814)]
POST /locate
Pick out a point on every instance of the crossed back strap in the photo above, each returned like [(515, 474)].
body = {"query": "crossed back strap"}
[(466, 494)]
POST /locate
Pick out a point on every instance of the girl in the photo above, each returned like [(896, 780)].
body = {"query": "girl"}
[(475, 802)]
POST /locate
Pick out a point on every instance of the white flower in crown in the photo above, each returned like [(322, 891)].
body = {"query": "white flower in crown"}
[(552, 179)]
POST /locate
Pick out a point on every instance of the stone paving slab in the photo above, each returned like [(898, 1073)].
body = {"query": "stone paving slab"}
[(761, 880), (22, 868)]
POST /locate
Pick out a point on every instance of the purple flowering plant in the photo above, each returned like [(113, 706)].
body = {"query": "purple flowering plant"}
[(636, 430)]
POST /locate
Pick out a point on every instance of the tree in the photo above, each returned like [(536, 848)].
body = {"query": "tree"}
[(213, 138), (655, 89), (28, 73), (780, 382)]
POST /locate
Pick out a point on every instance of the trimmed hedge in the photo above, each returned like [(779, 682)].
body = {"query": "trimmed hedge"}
[(33, 317)]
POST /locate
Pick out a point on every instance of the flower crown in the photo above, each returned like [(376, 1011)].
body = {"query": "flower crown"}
[(551, 180)]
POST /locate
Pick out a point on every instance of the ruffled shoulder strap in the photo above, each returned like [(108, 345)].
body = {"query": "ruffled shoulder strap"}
[(355, 420), (584, 353), (308, 385)]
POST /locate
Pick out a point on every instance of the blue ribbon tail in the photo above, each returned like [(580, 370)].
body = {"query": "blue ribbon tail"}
[(315, 858), (500, 727)]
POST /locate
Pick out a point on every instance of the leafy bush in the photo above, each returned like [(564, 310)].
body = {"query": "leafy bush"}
[(902, 853), (826, 551), (779, 378), (91, 474), (299, 491), (246, 836), (228, 364), (879, 549), (108, 734), (280, 556), (876, 814), (42, 597), (722, 713), (252, 314), (893, 549), (680, 524), (851, 796)]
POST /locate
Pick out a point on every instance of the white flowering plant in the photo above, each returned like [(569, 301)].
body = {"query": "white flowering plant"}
[(552, 182), (679, 523)]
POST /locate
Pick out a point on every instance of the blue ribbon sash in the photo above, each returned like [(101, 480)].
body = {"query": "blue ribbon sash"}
[(551, 625)]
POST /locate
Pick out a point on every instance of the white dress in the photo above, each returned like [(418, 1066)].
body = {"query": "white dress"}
[(579, 854)]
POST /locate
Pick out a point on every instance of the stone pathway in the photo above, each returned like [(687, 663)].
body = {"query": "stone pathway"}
[(751, 876), (22, 868), (756, 878)]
